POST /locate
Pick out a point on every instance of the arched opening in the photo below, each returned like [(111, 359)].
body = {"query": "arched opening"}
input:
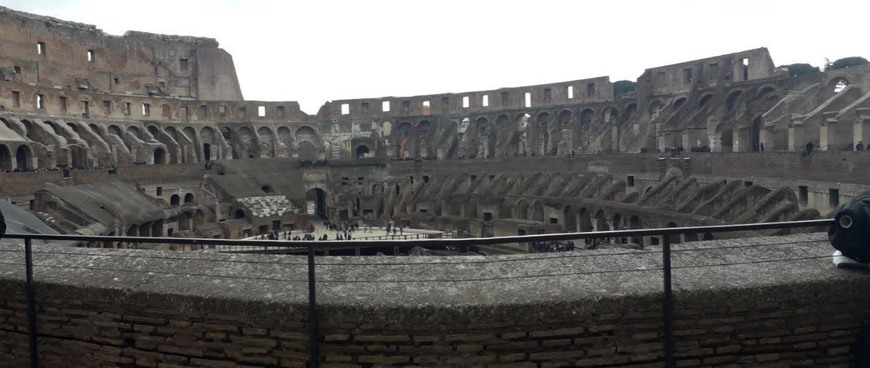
[(188, 198), (654, 107), (239, 213), (159, 156), (5, 158), (731, 100), (23, 158), (679, 102), (727, 140), (538, 213), (307, 152), (175, 200), (316, 201), (755, 134), (154, 131), (570, 216), (704, 100), (157, 228), (630, 111), (523, 210), (362, 151), (838, 84), (266, 188), (764, 91), (145, 229), (586, 116), (133, 230)]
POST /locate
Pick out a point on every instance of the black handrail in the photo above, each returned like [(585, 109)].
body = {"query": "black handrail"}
[(312, 246)]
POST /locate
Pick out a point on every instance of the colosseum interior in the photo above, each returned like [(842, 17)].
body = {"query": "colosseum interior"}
[(149, 135)]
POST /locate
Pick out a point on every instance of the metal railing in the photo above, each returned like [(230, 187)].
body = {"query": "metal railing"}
[(310, 248)]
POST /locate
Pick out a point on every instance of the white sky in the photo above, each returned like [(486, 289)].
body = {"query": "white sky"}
[(320, 50)]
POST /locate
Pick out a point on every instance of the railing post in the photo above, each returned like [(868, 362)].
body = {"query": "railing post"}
[(668, 302), (31, 302), (313, 329)]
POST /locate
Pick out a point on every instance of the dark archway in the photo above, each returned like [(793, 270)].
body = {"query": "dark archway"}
[(175, 200), (362, 151), (239, 213), (538, 211), (159, 156), (23, 158), (570, 215), (188, 198), (5, 158), (316, 201)]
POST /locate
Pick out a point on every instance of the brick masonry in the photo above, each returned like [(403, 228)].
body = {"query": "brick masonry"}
[(801, 313)]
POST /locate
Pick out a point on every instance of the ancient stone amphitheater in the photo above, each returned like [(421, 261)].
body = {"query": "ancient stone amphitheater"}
[(149, 135)]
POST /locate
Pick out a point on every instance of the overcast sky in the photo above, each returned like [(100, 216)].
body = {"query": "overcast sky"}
[(321, 50)]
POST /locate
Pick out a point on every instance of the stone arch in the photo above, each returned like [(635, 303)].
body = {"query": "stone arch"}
[(542, 140), (424, 147), (654, 107), (564, 119), (24, 158), (153, 130), (837, 84), (678, 103), (160, 156), (523, 209), (5, 158), (96, 129), (486, 134), (247, 145), (307, 134), (570, 222), (609, 114), (175, 200), (704, 99), (361, 151), (284, 140), (136, 132), (586, 117), (731, 100), (765, 91), (188, 198), (630, 110), (116, 130), (267, 142), (209, 143)]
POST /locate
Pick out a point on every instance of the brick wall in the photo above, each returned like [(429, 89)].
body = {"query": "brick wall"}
[(797, 313)]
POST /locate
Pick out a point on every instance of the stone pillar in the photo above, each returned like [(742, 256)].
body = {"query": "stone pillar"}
[(614, 139), (686, 140), (824, 136), (735, 140)]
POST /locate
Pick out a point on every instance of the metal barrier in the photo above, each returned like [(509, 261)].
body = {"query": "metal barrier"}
[(311, 247)]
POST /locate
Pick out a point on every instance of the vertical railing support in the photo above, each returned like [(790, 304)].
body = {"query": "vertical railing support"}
[(31, 302), (668, 302), (313, 329)]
